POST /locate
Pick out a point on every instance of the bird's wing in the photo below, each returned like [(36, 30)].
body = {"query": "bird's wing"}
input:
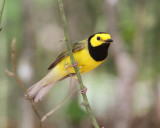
[(76, 47)]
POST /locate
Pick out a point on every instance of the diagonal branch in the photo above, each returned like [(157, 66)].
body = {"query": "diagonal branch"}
[(70, 93), (2, 3), (14, 74), (85, 99)]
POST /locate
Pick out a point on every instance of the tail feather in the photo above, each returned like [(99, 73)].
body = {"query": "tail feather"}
[(42, 92), (33, 90), (38, 91)]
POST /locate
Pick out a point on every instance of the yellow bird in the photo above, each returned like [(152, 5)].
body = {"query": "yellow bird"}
[(88, 54)]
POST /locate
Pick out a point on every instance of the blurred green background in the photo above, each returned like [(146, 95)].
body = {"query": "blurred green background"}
[(124, 92)]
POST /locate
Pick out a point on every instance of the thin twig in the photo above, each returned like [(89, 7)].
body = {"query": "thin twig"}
[(2, 3), (85, 102), (58, 106), (9, 73), (70, 93), (14, 74)]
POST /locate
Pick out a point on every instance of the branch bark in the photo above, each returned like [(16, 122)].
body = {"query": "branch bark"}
[(85, 99), (58, 106), (14, 74), (1, 12)]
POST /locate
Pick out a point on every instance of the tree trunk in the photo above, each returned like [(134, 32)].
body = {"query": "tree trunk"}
[(126, 69)]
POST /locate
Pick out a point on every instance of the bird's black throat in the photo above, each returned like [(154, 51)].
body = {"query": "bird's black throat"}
[(98, 53)]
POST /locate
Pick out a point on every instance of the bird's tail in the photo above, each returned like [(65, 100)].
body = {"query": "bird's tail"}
[(41, 88), (38, 91)]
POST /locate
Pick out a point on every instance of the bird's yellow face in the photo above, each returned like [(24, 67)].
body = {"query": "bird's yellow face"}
[(99, 39)]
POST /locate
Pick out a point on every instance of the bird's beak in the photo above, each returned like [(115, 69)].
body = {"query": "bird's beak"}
[(108, 41)]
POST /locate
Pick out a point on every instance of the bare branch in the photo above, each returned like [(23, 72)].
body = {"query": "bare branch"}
[(70, 93), (58, 106), (14, 74), (87, 106), (2, 3), (9, 73)]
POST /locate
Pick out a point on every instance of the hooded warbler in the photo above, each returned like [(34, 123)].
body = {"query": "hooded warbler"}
[(88, 54)]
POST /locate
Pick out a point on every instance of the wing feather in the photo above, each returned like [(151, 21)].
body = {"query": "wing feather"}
[(76, 47)]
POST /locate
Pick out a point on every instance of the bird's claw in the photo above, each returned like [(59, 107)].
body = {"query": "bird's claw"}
[(84, 91), (74, 65)]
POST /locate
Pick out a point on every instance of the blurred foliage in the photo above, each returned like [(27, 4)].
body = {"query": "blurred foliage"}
[(75, 112)]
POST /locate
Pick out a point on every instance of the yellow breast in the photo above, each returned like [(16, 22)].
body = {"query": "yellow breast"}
[(85, 62)]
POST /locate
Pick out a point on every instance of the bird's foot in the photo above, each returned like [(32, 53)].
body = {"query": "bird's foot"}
[(84, 91), (74, 65)]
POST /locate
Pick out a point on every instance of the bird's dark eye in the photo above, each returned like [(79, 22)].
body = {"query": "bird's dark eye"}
[(98, 38)]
